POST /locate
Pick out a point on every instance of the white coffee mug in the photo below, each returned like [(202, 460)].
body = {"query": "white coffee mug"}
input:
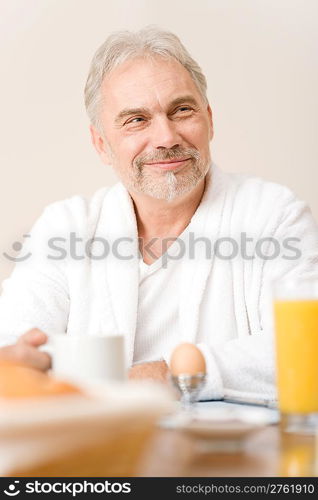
[(87, 357)]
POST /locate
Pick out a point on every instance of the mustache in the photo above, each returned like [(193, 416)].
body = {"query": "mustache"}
[(176, 153)]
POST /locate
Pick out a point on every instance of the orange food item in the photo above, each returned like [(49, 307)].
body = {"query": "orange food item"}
[(187, 359), (21, 381)]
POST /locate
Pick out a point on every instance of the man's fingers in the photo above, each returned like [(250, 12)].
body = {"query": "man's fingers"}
[(26, 354), (34, 337), (35, 358), (26, 350)]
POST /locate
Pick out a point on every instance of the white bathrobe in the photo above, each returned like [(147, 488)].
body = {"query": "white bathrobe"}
[(224, 304)]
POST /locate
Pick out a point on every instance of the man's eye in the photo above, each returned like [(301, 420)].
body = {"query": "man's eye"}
[(184, 108), (137, 119)]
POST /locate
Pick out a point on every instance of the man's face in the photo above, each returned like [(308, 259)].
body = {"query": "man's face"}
[(156, 127)]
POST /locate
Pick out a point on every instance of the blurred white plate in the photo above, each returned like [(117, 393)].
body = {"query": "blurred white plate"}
[(231, 422)]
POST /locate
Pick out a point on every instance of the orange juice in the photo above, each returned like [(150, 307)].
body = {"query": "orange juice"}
[(296, 325), (297, 459)]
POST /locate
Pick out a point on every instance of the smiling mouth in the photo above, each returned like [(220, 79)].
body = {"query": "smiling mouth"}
[(168, 164)]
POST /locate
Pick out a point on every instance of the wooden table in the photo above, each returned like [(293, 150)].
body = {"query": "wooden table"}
[(269, 452), (175, 453)]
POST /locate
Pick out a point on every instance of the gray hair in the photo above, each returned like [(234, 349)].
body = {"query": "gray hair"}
[(123, 45)]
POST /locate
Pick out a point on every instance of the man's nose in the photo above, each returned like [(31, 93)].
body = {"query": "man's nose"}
[(164, 133)]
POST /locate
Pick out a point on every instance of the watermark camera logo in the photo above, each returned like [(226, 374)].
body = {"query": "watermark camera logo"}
[(12, 489), (17, 247)]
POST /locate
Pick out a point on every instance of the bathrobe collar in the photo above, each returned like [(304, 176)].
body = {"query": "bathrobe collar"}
[(118, 225)]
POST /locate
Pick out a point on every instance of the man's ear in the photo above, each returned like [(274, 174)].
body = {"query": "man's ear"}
[(100, 145), (210, 121)]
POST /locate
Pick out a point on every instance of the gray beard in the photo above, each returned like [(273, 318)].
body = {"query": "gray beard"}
[(170, 185)]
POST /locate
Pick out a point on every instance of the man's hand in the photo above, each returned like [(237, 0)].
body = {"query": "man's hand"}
[(154, 370), (25, 351)]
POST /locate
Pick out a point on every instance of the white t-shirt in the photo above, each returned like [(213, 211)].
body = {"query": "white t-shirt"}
[(158, 296)]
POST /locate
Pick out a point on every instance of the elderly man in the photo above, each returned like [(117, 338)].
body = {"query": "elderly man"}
[(177, 251)]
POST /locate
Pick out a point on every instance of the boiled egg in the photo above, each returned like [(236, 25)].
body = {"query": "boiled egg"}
[(187, 359)]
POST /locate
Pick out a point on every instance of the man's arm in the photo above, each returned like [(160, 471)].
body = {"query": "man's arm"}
[(36, 294), (245, 367), (153, 370)]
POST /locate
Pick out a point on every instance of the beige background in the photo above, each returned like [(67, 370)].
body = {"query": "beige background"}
[(260, 58)]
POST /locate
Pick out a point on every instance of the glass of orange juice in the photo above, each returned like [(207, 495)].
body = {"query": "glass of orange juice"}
[(296, 338)]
